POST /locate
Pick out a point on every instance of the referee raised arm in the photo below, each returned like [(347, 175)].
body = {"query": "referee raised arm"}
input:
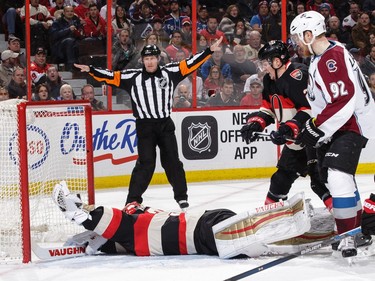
[(151, 90)]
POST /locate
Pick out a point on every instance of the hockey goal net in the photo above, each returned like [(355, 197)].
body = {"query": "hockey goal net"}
[(40, 145)]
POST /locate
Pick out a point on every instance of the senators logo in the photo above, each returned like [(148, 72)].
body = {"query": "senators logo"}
[(296, 74)]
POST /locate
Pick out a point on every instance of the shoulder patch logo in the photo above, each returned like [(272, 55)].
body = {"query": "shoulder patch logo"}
[(331, 65), (296, 74)]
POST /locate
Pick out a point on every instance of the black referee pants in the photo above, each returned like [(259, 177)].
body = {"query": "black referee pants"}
[(153, 133)]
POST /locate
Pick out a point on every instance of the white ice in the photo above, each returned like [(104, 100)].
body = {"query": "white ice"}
[(236, 195)]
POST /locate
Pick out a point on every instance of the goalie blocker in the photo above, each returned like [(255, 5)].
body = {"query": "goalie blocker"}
[(214, 232)]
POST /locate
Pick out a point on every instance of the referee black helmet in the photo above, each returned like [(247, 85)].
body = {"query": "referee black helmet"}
[(274, 49), (150, 50)]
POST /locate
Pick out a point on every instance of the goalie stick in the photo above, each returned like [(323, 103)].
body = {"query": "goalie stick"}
[(57, 253), (305, 251)]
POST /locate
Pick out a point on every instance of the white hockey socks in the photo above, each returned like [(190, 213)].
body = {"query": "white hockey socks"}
[(249, 232), (69, 204)]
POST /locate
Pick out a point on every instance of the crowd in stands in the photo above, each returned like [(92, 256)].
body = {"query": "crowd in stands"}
[(61, 30)]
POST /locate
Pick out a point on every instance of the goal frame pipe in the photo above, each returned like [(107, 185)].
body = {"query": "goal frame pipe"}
[(23, 165)]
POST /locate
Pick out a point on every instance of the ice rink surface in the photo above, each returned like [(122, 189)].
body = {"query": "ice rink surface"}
[(235, 195)]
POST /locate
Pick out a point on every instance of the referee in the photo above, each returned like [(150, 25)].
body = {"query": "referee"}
[(151, 90)]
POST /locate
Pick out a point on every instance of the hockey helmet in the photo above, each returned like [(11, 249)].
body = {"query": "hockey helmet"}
[(150, 50), (307, 21), (274, 49)]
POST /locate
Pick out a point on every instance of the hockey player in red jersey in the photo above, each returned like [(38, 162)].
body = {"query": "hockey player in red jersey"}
[(286, 82), (343, 113)]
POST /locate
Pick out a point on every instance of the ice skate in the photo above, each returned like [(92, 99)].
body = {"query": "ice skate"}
[(183, 205), (69, 204)]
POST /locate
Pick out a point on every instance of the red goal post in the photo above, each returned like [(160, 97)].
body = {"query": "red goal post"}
[(40, 145)]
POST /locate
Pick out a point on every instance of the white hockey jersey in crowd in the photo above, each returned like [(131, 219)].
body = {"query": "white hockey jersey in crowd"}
[(339, 96)]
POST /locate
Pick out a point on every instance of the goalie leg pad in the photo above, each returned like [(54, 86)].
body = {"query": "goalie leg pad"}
[(248, 232)]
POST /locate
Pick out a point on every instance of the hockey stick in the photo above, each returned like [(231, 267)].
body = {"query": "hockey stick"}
[(261, 134), (305, 251), (57, 253)]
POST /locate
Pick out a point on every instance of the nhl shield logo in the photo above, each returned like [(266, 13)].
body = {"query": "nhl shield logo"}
[(162, 82), (199, 137)]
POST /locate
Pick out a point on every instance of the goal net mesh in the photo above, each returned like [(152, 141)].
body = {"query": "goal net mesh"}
[(56, 150)]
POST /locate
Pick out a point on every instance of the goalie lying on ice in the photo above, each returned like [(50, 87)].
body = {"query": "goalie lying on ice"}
[(142, 231)]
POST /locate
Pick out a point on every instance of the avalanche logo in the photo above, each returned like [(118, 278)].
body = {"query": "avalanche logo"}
[(331, 65), (296, 74), (38, 147), (199, 137)]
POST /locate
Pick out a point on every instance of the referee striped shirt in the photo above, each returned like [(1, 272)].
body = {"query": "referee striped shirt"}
[(151, 93)]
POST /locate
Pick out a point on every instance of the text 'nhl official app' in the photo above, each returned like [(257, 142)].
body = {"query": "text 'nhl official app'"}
[(199, 137)]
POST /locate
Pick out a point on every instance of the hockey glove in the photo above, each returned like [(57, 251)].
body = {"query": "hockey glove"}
[(287, 130), (310, 134), (368, 216), (255, 123)]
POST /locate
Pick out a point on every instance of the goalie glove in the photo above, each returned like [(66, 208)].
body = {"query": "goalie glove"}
[(310, 134), (256, 122), (368, 216), (288, 130)]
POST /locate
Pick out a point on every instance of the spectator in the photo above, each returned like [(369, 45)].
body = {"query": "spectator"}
[(88, 93), (271, 26), (4, 94), (162, 35), (300, 8), (176, 44), (7, 66), (325, 9), (11, 18), (241, 68), (372, 38), (253, 92), (216, 59), (123, 51), (82, 10), (228, 22), (65, 33), (202, 43), (214, 81), (41, 93), (39, 66), (368, 64), (17, 87), (351, 20), (54, 82), (164, 9), (188, 82), (360, 34), (254, 43), (257, 20), (371, 82), (173, 21), (240, 32), (121, 22), (103, 10), (369, 7), (186, 33), (58, 9), (344, 36), (224, 97), (40, 23), (142, 21), (95, 27), (314, 5), (66, 92), (212, 33), (202, 18), (14, 44), (183, 97)]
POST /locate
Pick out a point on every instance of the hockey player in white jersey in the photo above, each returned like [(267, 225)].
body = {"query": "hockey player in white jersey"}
[(343, 113)]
